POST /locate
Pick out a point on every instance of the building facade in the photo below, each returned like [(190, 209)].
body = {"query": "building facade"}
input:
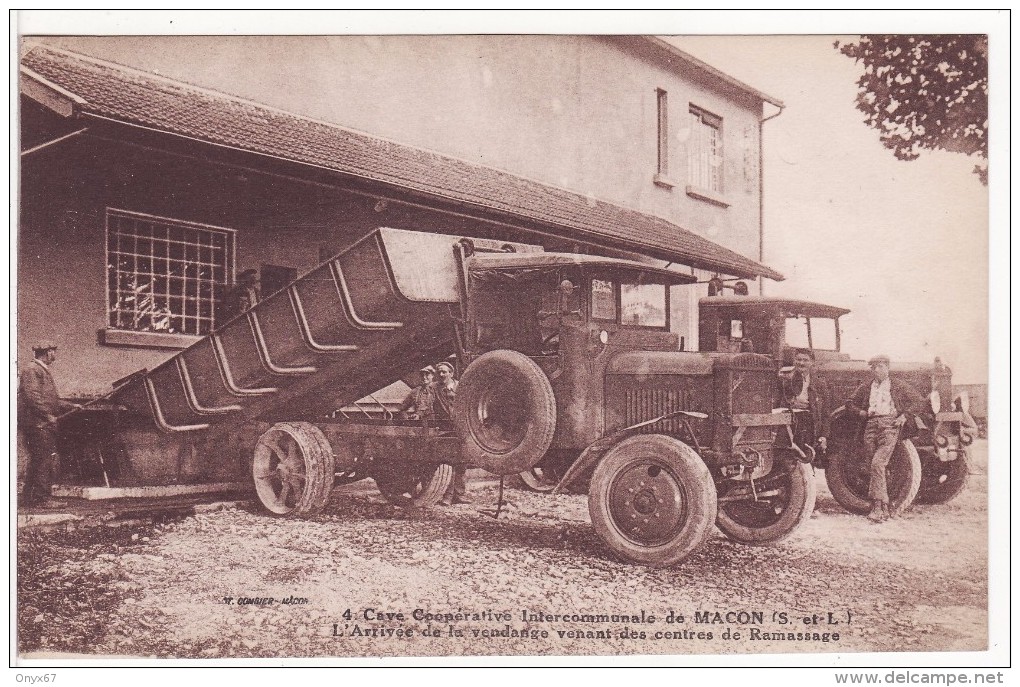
[(154, 170)]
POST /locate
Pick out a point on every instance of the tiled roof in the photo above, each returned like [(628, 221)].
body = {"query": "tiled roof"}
[(127, 95)]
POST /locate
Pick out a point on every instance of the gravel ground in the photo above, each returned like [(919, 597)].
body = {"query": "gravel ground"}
[(917, 583)]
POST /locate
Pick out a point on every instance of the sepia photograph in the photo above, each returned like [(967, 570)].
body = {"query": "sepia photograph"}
[(445, 340)]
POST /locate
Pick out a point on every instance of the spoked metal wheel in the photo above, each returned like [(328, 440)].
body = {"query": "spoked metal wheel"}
[(772, 509), (652, 500), (414, 485), (293, 469)]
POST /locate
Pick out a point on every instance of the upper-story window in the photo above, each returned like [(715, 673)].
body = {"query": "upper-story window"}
[(705, 157), (661, 177), (164, 275)]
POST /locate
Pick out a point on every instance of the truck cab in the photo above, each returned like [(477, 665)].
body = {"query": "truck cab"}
[(931, 463), (571, 368), (773, 326)]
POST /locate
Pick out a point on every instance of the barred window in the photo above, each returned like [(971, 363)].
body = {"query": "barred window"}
[(705, 158), (165, 275)]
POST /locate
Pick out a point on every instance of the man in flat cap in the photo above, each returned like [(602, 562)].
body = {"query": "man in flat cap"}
[(886, 404), (241, 298), (39, 406), (420, 404)]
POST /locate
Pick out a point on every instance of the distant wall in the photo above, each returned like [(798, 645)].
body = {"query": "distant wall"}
[(579, 112)]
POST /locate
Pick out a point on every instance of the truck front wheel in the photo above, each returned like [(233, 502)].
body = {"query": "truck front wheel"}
[(849, 473), (775, 507), (652, 500), (942, 481), (293, 469)]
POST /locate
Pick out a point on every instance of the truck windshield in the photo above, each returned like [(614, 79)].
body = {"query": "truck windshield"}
[(818, 333), (643, 305)]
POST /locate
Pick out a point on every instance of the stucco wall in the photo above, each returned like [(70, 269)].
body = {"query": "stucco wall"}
[(62, 237), (574, 111), (62, 233)]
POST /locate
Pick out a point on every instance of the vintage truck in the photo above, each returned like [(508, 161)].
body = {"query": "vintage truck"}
[(567, 363), (932, 466)]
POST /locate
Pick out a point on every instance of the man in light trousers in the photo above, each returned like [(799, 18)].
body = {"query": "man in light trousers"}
[(887, 404)]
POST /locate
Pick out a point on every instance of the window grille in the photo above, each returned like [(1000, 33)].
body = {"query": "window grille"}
[(705, 161), (164, 275)]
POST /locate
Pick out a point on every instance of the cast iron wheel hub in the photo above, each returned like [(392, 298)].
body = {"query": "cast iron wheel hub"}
[(648, 503)]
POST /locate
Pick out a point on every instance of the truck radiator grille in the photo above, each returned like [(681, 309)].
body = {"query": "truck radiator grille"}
[(646, 404)]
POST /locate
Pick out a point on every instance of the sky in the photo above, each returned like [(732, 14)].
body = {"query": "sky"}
[(904, 245)]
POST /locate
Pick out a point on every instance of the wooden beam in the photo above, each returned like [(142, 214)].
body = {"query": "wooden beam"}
[(47, 94)]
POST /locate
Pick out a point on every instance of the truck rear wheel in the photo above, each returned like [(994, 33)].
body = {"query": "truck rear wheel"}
[(652, 500), (849, 473), (942, 481), (505, 412), (415, 486), (293, 468), (776, 506)]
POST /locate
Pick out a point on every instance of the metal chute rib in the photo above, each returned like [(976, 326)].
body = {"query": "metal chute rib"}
[(368, 316)]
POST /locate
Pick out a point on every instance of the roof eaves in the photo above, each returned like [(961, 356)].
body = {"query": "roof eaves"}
[(709, 69), (48, 94), (726, 260)]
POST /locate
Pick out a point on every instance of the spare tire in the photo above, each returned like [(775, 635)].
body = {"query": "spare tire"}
[(505, 412)]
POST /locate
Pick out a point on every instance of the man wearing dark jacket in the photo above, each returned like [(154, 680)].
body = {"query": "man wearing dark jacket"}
[(240, 298), (887, 404), (38, 409), (802, 390)]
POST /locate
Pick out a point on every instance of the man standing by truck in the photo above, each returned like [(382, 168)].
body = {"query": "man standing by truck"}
[(446, 391), (420, 403), (39, 406), (886, 404)]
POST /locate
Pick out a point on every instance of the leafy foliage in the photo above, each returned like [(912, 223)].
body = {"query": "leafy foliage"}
[(925, 92)]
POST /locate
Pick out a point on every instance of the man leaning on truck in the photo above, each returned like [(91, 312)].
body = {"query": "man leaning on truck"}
[(887, 404), (800, 389)]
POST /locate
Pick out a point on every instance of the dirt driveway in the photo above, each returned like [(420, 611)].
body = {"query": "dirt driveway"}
[(369, 579)]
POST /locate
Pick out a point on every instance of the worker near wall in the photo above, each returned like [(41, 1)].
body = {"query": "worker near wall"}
[(39, 407), (241, 298)]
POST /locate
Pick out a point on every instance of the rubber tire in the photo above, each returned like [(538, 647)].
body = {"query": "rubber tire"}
[(688, 473), (941, 482), (493, 380), (537, 479), (319, 467), (425, 484), (852, 494), (801, 489)]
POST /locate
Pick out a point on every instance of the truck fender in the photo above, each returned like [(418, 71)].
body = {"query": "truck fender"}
[(591, 455)]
